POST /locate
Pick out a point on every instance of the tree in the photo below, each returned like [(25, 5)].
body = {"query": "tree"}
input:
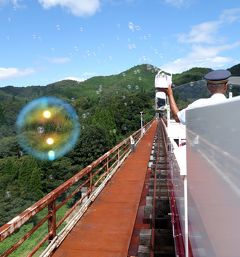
[(93, 142)]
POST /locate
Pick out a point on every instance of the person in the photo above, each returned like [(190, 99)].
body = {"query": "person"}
[(217, 85), (132, 142)]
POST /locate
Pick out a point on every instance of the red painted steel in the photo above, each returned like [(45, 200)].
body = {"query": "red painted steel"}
[(115, 155), (106, 229)]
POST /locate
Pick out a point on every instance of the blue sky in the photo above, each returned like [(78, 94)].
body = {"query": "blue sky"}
[(43, 41)]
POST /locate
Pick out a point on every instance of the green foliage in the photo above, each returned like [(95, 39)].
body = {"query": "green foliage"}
[(92, 144), (193, 74), (235, 70), (9, 146)]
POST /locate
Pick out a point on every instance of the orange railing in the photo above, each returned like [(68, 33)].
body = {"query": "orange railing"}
[(92, 178)]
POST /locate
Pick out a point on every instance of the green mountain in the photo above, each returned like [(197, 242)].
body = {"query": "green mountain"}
[(83, 96), (86, 95), (108, 108)]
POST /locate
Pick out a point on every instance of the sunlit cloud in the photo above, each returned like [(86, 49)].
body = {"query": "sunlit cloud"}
[(202, 56), (206, 32), (207, 49), (230, 15), (77, 8), (9, 73), (202, 33)]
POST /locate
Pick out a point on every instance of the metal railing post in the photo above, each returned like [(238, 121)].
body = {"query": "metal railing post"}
[(118, 155), (52, 220), (91, 181), (107, 164)]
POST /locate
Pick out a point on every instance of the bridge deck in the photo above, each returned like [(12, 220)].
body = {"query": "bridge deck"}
[(106, 228)]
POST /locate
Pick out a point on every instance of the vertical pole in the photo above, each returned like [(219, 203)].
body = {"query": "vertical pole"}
[(156, 108), (107, 164), (118, 155), (168, 113), (186, 215), (91, 181), (52, 220), (141, 116), (230, 92)]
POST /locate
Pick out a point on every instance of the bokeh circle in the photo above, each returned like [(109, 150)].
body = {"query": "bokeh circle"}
[(47, 128)]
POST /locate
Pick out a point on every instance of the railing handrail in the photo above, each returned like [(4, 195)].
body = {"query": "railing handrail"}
[(10, 227)]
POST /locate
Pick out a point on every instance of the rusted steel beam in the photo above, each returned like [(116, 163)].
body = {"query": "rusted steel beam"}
[(52, 220), (49, 199), (99, 240), (18, 221)]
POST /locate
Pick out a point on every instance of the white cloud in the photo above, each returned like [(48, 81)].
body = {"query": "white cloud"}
[(186, 63), (76, 7), (9, 73), (59, 60), (202, 56), (206, 45), (201, 33), (230, 15), (206, 32)]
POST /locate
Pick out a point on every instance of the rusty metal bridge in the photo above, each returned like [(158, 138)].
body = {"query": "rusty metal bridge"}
[(121, 207)]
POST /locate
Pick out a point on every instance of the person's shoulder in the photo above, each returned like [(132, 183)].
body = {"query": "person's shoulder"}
[(198, 103), (202, 102)]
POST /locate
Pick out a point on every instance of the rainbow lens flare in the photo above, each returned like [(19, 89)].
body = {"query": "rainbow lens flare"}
[(47, 128)]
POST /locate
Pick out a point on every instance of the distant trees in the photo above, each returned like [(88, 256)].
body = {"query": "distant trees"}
[(193, 74), (93, 142), (20, 185)]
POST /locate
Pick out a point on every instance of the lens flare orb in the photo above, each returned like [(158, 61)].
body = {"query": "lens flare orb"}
[(47, 128)]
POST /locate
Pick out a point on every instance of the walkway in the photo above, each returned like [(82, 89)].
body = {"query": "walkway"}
[(106, 228)]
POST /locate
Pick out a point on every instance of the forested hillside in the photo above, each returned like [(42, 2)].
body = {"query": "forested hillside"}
[(108, 109)]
